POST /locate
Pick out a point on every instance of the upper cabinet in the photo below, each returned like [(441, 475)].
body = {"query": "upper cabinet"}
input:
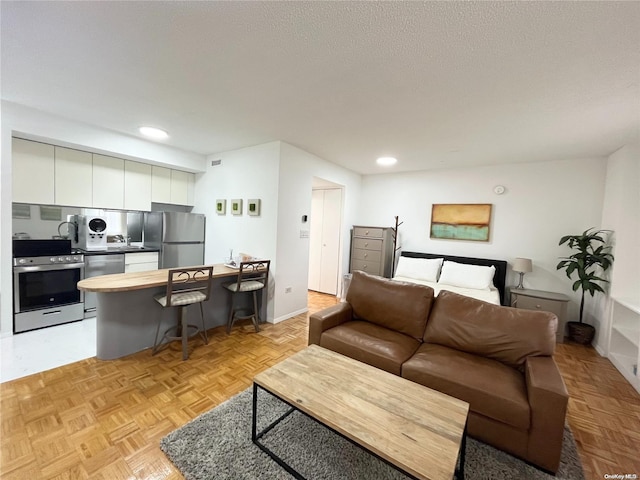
[(160, 185), (108, 182), (51, 175), (73, 177), (172, 186), (137, 186), (33, 172), (180, 187)]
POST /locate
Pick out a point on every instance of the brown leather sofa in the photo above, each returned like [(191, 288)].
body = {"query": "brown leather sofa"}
[(498, 359)]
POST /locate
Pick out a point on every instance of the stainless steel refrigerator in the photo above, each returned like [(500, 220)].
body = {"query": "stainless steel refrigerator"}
[(179, 236)]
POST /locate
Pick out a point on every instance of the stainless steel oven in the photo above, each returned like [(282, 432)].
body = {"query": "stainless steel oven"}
[(45, 279)]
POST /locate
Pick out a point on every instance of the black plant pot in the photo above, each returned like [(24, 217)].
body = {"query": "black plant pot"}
[(581, 333)]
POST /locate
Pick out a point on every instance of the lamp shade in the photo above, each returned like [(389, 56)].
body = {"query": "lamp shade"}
[(522, 265)]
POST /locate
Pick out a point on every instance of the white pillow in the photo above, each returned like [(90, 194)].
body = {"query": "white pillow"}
[(467, 276), (425, 269)]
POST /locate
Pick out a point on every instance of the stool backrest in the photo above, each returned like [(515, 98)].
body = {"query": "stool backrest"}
[(188, 280), (257, 270)]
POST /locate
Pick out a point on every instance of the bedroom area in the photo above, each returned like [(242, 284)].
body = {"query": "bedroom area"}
[(533, 205)]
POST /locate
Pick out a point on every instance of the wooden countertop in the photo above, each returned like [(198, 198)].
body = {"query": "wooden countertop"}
[(123, 282)]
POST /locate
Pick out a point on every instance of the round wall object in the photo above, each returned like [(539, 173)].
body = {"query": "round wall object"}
[(498, 189)]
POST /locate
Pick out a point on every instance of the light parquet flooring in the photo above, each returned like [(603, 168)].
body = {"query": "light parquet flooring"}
[(104, 419)]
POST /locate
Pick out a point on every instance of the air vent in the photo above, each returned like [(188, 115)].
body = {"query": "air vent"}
[(215, 163)]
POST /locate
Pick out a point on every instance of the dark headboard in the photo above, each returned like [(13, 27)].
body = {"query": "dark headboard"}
[(498, 279)]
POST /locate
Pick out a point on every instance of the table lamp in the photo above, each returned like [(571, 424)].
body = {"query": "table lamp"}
[(522, 266)]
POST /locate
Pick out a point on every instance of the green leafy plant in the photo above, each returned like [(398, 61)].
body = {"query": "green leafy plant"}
[(592, 256)]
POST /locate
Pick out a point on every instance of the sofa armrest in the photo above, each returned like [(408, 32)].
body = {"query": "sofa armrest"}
[(548, 399), (328, 318)]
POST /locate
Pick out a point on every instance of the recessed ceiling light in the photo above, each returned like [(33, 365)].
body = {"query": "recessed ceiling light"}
[(386, 161), (153, 132)]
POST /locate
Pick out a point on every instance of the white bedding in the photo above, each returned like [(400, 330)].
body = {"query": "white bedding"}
[(491, 296)]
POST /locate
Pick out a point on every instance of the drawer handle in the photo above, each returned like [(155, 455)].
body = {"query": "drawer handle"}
[(366, 244), (365, 255), (537, 306), (364, 267), (366, 232)]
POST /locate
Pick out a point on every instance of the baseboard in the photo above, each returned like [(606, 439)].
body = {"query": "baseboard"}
[(290, 315), (600, 350)]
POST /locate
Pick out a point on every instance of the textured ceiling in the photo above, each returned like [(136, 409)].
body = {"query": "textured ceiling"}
[(436, 84)]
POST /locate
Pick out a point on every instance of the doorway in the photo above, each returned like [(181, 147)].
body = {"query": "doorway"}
[(324, 236)]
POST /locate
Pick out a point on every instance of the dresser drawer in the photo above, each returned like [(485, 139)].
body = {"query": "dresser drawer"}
[(368, 232), (368, 255), (532, 303), (367, 244), (366, 266)]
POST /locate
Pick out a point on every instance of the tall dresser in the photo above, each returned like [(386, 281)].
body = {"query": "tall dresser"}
[(372, 250)]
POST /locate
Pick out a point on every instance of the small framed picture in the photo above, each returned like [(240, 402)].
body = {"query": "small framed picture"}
[(236, 206), (221, 207), (253, 206)]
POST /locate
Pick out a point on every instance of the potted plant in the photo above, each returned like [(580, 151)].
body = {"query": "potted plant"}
[(592, 256)]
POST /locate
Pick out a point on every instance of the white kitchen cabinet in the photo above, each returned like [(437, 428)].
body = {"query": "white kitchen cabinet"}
[(180, 187), (160, 185), (33, 172), (137, 186), (140, 262), (73, 177), (108, 182)]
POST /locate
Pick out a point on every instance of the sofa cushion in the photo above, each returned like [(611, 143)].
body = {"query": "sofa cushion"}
[(400, 306), (377, 346), (491, 388), (506, 334)]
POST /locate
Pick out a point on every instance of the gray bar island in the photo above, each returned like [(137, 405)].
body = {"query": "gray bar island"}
[(127, 315)]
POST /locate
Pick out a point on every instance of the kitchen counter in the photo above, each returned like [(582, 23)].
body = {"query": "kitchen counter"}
[(117, 250), (127, 315), (124, 282)]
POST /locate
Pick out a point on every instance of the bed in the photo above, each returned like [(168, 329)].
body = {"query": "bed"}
[(479, 278)]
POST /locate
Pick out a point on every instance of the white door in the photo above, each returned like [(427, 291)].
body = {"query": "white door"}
[(326, 209)]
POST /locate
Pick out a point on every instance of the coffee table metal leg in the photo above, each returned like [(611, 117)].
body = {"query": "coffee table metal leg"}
[(255, 436), (463, 449)]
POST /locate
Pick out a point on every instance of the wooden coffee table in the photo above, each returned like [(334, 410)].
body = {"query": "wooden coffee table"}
[(418, 431)]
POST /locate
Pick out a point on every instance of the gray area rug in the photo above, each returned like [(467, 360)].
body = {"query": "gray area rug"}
[(217, 445)]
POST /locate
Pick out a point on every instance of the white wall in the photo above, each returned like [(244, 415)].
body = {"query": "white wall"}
[(246, 173), (36, 125), (542, 202), (297, 169), (621, 213)]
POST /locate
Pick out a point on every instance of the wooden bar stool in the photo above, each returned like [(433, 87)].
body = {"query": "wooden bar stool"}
[(253, 276), (185, 286)]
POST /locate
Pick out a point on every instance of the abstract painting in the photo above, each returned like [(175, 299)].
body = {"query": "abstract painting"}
[(461, 221)]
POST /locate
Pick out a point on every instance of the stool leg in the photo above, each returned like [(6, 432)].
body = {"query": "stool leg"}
[(185, 336), (255, 311), (204, 330), (230, 320)]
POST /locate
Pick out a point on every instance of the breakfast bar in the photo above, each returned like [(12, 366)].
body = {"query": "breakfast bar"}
[(127, 315)]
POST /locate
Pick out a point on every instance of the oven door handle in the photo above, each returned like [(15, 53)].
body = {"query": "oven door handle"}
[(43, 268)]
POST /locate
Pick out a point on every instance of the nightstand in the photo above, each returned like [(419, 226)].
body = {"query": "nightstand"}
[(545, 301)]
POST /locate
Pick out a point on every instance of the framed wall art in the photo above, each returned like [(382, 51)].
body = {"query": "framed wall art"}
[(253, 206), (221, 207), (236, 206), (461, 221)]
